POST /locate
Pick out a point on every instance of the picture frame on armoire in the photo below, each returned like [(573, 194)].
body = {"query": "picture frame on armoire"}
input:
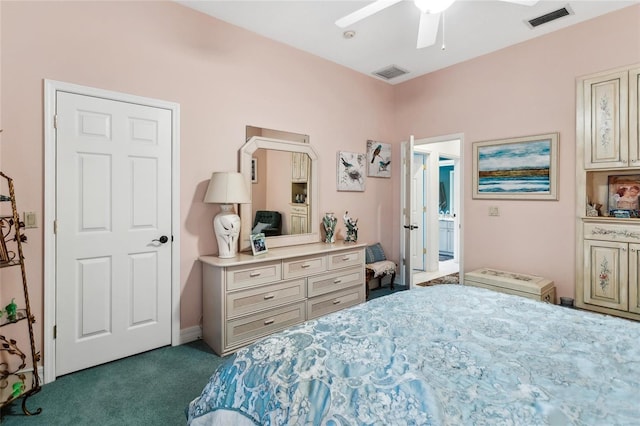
[(624, 196)]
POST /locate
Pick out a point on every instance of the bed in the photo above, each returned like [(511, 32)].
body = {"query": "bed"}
[(440, 355)]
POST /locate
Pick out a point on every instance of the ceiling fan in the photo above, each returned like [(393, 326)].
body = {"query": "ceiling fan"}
[(430, 11)]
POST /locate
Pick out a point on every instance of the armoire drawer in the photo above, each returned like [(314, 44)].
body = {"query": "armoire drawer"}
[(332, 302), (346, 259), (245, 329), (327, 283), (303, 210), (265, 297), (250, 275), (304, 266), (612, 232)]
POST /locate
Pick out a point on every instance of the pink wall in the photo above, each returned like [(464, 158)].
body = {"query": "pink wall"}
[(523, 90), (223, 77)]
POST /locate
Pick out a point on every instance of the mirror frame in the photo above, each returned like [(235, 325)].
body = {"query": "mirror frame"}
[(246, 216)]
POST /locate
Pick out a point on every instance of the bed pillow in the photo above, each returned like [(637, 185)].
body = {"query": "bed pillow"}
[(260, 227), (374, 253)]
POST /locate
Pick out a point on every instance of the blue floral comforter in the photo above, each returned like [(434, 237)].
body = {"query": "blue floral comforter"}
[(441, 355)]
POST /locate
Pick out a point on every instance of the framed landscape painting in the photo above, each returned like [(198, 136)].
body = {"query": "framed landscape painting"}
[(523, 168)]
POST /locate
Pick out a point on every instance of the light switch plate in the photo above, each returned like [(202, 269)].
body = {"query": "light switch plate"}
[(494, 211), (29, 219)]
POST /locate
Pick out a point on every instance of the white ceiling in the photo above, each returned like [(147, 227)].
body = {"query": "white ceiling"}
[(472, 28)]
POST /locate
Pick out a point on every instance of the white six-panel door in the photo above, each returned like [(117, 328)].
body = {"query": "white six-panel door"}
[(113, 205), (407, 236)]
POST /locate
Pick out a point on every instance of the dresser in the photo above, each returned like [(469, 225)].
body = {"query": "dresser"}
[(248, 297)]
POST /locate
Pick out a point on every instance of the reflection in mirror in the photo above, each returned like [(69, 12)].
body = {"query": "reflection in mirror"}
[(281, 189), (284, 192)]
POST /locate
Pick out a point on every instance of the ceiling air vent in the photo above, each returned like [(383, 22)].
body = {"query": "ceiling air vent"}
[(551, 16), (390, 72)]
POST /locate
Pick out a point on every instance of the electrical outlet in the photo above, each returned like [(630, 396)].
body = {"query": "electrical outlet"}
[(29, 219), (494, 211)]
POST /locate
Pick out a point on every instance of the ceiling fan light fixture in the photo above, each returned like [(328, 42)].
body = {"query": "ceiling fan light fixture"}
[(433, 6)]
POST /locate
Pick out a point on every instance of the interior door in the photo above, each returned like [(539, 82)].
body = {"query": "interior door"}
[(407, 231), (113, 230), (418, 212)]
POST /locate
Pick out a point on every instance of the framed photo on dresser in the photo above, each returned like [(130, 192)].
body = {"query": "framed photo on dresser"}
[(258, 244)]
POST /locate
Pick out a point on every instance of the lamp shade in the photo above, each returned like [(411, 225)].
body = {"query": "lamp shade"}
[(227, 188)]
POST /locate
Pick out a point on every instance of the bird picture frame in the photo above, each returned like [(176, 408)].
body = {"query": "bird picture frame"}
[(378, 159), (351, 171)]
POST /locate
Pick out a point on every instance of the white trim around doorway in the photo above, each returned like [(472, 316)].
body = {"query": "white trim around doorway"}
[(459, 255)]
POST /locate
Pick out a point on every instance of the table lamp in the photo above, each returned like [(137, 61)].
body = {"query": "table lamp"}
[(226, 189)]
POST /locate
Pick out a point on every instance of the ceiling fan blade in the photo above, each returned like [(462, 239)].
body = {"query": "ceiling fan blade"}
[(365, 12), (428, 29), (523, 2)]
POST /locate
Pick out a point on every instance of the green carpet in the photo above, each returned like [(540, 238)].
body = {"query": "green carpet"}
[(385, 290), (152, 388)]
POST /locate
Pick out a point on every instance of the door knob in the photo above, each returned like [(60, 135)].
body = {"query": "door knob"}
[(161, 240)]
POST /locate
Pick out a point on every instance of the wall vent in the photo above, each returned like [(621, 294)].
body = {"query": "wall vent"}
[(390, 72), (551, 16)]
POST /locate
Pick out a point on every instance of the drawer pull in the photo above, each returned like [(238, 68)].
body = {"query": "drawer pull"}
[(337, 281), (337, 301), (255, 274), (269, 296), (269, 321), (346, 258), (305, 265)]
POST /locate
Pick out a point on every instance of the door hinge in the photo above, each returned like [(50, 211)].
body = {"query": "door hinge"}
[(55, 121), (55, 331), (55, 226), (424, 251), (424, 209)]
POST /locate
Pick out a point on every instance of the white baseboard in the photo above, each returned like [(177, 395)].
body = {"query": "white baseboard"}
[(190, 334)]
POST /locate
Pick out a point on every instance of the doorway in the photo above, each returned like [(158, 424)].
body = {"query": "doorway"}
[(441, 202), (111, 184)]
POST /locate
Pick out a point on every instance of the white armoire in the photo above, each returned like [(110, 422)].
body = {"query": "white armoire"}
[(608, 161)]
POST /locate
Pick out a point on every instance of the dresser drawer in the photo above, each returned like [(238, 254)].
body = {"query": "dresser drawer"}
[(245, 329), (345, 259), (304, 266), (247, 276), (323, 305), (265, 297), (334, 281)]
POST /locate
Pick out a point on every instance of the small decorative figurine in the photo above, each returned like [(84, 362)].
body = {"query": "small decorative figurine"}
[(17, 387), (352, 228), (12, 310), (329, 221), (592, 210)]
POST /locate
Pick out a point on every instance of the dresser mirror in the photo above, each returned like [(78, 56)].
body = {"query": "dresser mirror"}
[(283, 178)]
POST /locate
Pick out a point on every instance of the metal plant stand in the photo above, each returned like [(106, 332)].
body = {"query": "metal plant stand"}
[(18, 370)]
